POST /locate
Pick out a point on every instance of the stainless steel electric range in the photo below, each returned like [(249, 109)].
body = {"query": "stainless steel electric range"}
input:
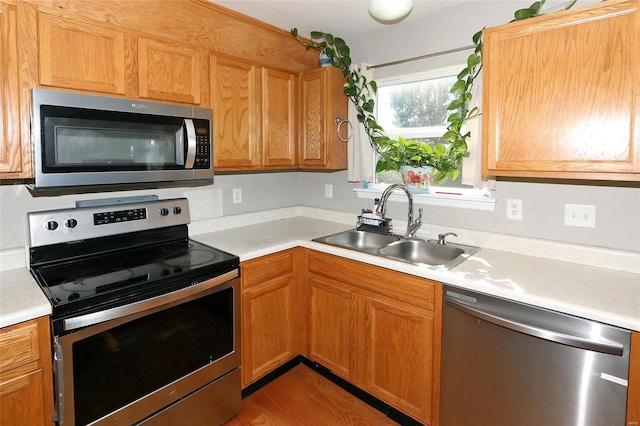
[(145, 320)]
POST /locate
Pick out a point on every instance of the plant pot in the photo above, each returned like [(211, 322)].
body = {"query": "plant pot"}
[(324, 60), (417, 178)]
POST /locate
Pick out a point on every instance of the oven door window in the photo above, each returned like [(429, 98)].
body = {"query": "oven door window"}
[(120, 365), (83, 140)]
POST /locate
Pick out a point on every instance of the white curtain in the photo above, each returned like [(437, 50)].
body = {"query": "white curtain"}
[(471, 167), (360, 153)]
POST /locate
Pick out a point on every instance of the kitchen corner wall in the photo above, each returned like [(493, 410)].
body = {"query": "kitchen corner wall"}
[(617, 210), (263, 191), (617, 207)]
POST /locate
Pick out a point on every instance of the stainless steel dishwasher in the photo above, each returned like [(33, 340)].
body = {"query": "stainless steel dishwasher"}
[(506, 363)]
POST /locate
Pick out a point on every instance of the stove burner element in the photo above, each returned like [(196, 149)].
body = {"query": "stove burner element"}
[(192, 258)]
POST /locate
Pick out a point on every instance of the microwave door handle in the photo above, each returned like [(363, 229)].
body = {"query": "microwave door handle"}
[(191, 143)]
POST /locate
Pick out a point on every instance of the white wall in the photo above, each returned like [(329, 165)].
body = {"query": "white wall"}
[(262, 191)]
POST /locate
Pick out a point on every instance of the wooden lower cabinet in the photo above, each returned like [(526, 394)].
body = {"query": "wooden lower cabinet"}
[(26, 381), (378, 329), (333, 312), (272, 316), (398, 346)]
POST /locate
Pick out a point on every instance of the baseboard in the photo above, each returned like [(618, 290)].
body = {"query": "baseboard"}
[(366, 397)]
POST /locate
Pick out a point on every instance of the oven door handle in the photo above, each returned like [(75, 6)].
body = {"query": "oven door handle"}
[(144, 305)]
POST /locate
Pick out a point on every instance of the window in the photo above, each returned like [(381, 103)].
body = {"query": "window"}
[(415, 107)]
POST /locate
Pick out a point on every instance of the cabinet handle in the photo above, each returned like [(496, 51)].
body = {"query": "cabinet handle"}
[(340, 121)]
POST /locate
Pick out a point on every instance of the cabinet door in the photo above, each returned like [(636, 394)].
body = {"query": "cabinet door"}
[(26, 381), (279, 106), (80, 55), (168, 71), (397, 350), (333, 326), (561, 95), (21, 401), (11, 153), (236, 113), (267, 328), (322, 101)]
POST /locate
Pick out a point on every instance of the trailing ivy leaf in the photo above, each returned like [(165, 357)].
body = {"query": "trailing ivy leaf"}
[(329, 52), (463, 73), (294, 32), (455, 104), (453, 174), (316, 34), (457, 87), (374, 86), (477, 36), (523, 14), (453, 117), (328, 38), (473, 60), (344, 50)]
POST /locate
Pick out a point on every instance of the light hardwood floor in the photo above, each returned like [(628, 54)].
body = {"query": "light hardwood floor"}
[(302, 397)]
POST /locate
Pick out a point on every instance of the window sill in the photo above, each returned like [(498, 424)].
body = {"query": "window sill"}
[(474, 199)]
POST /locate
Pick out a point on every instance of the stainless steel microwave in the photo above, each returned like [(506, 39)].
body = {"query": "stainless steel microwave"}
[(85, 140)]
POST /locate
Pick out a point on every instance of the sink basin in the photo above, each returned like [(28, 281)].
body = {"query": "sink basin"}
[(359, 240), (420, 251), (414, 251)]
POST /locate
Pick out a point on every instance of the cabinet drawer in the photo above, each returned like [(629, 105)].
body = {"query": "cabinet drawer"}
[(265, 268), (18, 345), (397, 285)]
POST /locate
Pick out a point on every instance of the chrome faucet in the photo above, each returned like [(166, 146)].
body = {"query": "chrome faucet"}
[(412, 226)]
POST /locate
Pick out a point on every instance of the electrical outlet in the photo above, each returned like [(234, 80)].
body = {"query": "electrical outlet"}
[(328, 191), (580, 215), (237, 195), (514, 209)]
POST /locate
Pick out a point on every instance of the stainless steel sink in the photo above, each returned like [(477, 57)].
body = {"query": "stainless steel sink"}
[(359, 240), (410, 250), (421, 251)]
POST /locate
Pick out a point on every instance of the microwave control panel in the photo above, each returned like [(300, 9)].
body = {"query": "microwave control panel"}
[(203, 145)]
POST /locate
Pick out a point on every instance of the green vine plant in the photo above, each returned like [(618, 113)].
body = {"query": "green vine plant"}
[(446, 157)]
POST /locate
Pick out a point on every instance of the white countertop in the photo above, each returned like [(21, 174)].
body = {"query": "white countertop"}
[(20, 298), (600, 294)]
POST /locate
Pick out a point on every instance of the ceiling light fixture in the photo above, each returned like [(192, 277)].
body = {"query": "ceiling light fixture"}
[(390, 10)]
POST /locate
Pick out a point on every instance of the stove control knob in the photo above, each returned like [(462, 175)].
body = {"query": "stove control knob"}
[(52, 225), (71, 223), (177, 210), (164, 211)]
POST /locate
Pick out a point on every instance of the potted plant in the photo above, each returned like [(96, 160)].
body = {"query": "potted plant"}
[(445, 158)]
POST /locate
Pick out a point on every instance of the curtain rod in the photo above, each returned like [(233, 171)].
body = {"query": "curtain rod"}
[(417, 58)]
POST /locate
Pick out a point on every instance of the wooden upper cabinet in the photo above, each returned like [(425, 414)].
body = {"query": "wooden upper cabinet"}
[(236, 113), (279, 107), (322, 101), (82, 55), (561, 95), (169, 71), (14, 161)]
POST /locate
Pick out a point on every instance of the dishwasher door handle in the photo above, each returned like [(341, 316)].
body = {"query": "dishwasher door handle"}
[(550, 335)]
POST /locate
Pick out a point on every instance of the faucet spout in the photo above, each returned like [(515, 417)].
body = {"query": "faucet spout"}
[(412, 226)]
